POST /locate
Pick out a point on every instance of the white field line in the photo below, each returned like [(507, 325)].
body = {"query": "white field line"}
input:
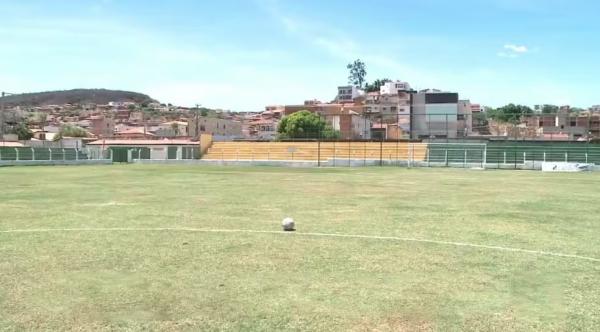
[(352, 236)]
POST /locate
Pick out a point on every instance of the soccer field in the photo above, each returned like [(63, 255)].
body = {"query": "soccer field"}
[(199, 248)]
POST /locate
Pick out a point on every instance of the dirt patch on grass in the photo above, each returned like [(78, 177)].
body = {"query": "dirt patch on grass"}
[(393, 324)]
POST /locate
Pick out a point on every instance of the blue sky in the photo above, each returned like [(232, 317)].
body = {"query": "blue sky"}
[(245, 54)]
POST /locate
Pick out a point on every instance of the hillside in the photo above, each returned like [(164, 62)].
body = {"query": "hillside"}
[(76, 96)]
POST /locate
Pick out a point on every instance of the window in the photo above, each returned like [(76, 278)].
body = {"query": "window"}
[(460, 117), (573, 123), (202, 128), (393, 108)]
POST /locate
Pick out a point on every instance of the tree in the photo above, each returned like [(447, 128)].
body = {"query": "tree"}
[(510, 113), (550, 109), (22, 131), (376, 85), (70, 131), (175, 127), (305, 124), (358, 72)]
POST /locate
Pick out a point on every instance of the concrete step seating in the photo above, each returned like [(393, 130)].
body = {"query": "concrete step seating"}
[(310, 151)]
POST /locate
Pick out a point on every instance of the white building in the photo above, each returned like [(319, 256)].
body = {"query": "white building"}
[(435, 114), (391, 105), (392, 88), (347, 94)]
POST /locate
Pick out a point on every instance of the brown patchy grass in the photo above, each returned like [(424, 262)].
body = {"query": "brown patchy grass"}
[(264, 282)]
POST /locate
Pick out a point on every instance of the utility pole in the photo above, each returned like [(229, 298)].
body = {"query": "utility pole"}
[(2, 116), (197, 125)]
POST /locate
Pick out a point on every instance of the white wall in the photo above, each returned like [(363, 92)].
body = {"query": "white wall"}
[(158, 152), (392, 88)]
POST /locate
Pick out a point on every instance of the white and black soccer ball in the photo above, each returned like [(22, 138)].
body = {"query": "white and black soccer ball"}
[(288, 224)]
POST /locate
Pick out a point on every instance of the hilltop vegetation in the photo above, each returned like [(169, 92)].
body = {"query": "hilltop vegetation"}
[(75, 96)]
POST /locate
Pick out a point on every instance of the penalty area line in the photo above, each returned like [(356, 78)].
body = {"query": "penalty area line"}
[(308, 234)]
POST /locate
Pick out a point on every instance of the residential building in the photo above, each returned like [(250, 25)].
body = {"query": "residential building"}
[(128, 150), (348, 93), (394, 87), (350, 124), (221, 129), (479, 125), (263, 126), (102, 126), (434, 114), (134, 133), (464, 119), (172, 129), (390, 106), (562, 126)]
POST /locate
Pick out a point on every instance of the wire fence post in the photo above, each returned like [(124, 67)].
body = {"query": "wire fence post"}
[(446, 157), (566, 157), (381, 151), (544, 156), (319, 153), (17, 154), (365, 154), (484, 157), (64, 155), (349, 151), (504, 157), (465, 159), (334, 154), (32, 154), (428, 157)]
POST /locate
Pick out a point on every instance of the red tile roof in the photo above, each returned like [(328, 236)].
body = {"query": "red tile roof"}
[(143, 142), (4, 144)]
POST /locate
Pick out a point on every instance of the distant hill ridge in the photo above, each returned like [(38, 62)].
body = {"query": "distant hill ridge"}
[(75, 96)]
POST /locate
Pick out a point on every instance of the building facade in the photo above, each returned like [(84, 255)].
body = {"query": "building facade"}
[(434, 114), (348, 93), (221, 129), (102, 126)]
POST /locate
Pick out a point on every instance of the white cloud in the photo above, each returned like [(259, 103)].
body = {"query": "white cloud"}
[(516, 48), (513, 51), (340, 45)]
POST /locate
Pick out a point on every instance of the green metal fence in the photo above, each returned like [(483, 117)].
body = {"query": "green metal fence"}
[(30, 154), (517, 156)]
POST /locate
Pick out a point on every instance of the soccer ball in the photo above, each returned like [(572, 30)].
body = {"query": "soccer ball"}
[(288, 224)]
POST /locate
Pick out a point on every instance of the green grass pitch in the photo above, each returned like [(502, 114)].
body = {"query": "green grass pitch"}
[(150, 279)]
